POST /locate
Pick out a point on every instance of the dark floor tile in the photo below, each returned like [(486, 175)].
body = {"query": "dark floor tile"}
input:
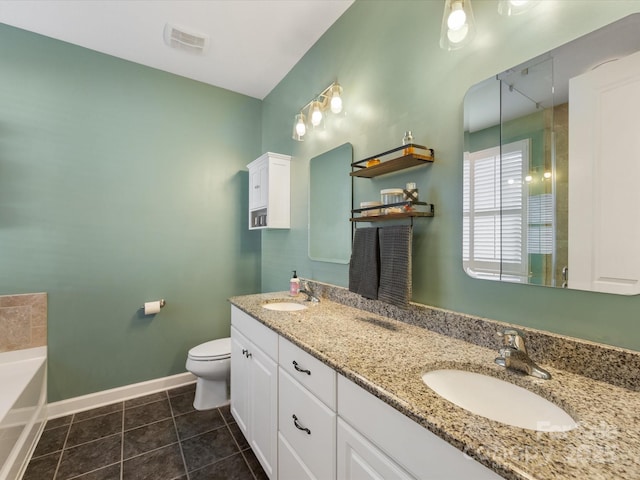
[(162, 464), (58, 422), (254, 465), (94, 428), (136, 402), (197, 422), (149, 437), (231, 468), (42, 468), (89, 456), (208, 448), (96, 412), (189, 388), (112, 472), (145, 414), (51, 441), (226, 413), (181, 404), (238, 436)]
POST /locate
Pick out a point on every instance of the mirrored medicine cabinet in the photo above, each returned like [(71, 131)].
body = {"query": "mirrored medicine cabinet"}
[(552, 167)]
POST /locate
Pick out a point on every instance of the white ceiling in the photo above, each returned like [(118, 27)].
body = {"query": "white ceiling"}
[(253, 43)]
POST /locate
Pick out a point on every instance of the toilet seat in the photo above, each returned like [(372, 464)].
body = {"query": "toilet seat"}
[(213, 350)]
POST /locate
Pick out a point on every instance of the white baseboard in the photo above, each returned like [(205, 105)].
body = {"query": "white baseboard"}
[(105, 397)]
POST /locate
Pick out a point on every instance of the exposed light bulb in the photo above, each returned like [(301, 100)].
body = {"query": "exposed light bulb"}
[(316, 115), (517, 3), (457, 17), (301, 128), (458, 25), (336, 103), (528, 178), (547, 175)]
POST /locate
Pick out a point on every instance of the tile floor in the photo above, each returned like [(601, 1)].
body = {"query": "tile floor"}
[(155, 437)]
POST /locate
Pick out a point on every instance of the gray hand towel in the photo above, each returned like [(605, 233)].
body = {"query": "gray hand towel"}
[(364, 267), (395, 265)]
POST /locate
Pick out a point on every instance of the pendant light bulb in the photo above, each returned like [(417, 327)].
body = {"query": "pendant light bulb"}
[(336, 98), (457, 17), (316, 114), (458, 25), (299, 127)]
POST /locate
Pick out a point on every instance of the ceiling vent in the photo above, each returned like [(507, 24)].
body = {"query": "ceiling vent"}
[(184, 39)]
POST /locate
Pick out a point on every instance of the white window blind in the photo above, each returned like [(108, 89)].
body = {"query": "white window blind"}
[(494, 213)]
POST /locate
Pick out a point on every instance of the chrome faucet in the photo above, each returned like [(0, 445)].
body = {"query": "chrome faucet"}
[(513, 355), (306, 289)]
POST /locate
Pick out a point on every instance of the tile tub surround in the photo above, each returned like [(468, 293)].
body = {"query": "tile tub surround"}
[(387, 357), (158, 436), (23, 321)]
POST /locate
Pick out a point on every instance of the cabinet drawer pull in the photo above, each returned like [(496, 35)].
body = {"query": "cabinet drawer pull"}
[(300, 427), (302, 370)]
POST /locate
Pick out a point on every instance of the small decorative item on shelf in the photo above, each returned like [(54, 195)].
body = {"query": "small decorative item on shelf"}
[(373, 162), (390, 196), (411, 192), (408, 140), (368, 209)]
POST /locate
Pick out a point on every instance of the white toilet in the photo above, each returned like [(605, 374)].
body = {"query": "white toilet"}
[(211, 363)]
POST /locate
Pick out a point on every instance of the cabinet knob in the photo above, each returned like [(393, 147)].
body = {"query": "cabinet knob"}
[(301, 370), (300, 427)]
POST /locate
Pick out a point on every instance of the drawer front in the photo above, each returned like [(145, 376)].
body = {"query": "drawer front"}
[(261, 335), (312, 434), (317, 377)]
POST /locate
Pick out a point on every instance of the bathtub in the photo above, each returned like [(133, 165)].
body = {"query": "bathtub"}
[(23, 394)]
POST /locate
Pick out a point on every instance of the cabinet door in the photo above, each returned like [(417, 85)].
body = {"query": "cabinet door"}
[(290, 466), (603, 191), (240, 380), (263, 410), (258, 186), (358, 459)]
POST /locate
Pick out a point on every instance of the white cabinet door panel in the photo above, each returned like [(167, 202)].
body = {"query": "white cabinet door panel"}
[(604, 168)]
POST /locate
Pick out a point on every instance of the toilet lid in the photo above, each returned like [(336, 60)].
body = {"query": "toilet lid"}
[(220, 348)]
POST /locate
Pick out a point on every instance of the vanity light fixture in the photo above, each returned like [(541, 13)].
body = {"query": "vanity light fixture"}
[(314, 111), (515, 7), (458, 25)]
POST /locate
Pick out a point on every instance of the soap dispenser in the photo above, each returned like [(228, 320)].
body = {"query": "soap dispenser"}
[(294, 285)]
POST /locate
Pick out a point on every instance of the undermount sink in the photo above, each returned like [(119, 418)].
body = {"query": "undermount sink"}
[(498, 400), (284, 306)]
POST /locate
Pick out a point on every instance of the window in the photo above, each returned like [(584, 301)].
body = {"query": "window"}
[(494, 232)]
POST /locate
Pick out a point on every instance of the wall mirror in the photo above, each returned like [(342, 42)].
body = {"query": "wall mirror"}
[(330, 205), (552, 167)]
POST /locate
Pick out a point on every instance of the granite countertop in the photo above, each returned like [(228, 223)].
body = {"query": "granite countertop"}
[(387, 357)]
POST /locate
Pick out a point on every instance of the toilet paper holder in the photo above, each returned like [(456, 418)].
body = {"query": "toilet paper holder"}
[(162, 304)]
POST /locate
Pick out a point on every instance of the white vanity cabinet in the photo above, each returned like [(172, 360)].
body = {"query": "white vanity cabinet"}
[(376, 441), (303, 421), (254, 387), (269, 191), (307, 416)]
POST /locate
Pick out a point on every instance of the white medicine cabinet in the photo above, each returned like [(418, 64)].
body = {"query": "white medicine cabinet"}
[(269, 191)]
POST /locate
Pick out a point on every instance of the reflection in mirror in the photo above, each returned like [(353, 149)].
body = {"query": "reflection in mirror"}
[(330, 205), (550, 167)]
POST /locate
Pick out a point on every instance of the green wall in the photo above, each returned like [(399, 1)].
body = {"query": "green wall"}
[(395, 77), (121, 184)]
